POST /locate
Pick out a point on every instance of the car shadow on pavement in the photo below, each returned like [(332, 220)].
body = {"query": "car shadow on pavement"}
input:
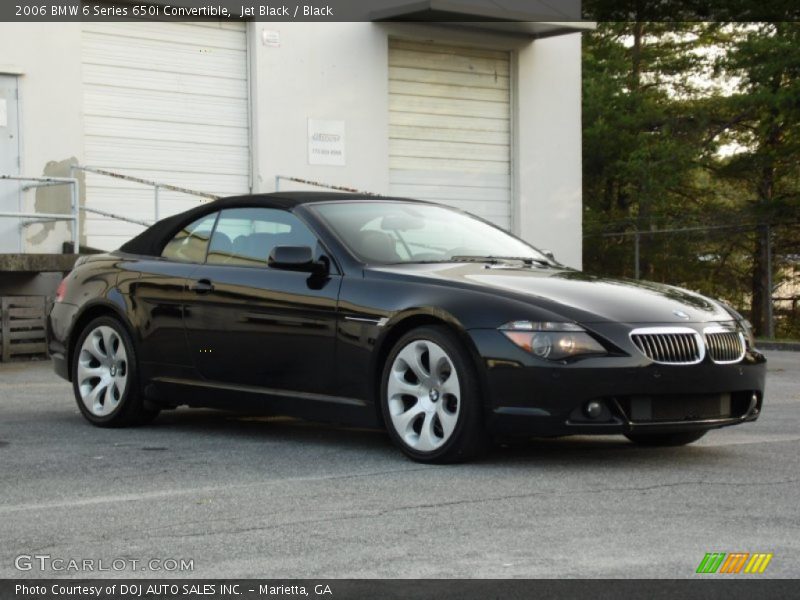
[(258, 427), (605, 451), (569, 450)]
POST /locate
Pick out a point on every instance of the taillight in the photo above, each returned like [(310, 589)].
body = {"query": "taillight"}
[(61, 291)]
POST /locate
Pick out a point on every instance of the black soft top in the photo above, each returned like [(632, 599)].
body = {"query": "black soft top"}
[(153, 239)]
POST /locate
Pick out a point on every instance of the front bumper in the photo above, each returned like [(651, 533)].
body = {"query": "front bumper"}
[(531, 396)]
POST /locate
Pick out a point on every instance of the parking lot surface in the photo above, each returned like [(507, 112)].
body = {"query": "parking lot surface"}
[(268, 498)]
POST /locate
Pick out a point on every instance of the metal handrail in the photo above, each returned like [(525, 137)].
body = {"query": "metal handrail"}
[(339, 188), (117, 217), (156, 185), (39, 217), (28, 218)]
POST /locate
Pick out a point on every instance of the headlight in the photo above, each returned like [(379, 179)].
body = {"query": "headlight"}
[(746, 328), (742, 324), (551, 340)]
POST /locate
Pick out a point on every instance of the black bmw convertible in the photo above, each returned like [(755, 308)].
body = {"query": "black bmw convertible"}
[(389, 312)]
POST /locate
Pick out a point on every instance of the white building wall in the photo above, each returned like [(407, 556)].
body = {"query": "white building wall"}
[(339, 71), (333, 71), (327, 71), (46, 56), (548, 162)]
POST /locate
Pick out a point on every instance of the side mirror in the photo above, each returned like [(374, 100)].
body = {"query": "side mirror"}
[(549, 254), (294, 258)]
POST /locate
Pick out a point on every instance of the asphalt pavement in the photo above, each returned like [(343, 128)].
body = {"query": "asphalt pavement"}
[(276, 498)]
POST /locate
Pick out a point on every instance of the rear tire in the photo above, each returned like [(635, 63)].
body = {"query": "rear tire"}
[(430, 398), (681, 438), (105, 376)]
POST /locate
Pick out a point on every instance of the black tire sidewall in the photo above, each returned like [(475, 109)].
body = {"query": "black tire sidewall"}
[(128, 404), (467, 439)]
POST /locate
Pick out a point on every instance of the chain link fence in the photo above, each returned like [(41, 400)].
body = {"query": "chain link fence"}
[(753, 267)]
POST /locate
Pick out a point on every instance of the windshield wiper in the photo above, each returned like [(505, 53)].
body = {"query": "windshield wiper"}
[(422, 262), (455, 259), (494, 260)]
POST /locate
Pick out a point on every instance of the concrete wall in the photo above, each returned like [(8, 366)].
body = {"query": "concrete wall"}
[(46, 56), (29, 284)]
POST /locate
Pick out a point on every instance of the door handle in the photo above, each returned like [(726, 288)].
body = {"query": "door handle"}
[(203, 286)]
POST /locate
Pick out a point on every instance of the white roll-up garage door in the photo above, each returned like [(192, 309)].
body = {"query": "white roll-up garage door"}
[(165, 102), (449, 127)]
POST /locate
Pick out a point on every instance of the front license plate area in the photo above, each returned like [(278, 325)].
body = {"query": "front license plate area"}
[(649, 409)]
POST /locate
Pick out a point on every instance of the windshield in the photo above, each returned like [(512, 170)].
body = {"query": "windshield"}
[(405, 232)]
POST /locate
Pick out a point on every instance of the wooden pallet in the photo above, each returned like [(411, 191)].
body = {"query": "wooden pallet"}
[(22, 327)]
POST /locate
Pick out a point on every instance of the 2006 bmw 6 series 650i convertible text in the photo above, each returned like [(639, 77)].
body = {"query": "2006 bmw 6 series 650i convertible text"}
[(376, 311)]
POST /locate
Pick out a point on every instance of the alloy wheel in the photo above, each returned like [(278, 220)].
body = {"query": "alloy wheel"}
[(424, 395), (102, 371)]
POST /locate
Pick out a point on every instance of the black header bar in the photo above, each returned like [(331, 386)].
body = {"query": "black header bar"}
[(452, 11), (707, 587)]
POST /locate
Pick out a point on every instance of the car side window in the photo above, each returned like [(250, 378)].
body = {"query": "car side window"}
[(191, 242), (246, 236)]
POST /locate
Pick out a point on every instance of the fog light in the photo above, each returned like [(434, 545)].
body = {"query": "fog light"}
[(593, 409), (752, 409)]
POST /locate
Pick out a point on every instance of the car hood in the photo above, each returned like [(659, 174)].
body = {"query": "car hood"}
[(576, 295)]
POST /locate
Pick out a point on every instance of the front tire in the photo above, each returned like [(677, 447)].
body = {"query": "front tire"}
[(430, 398), (681, 438), (104, 376)]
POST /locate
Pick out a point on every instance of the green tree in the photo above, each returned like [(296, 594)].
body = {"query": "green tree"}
[(644, 121), (694, 124), (765, 125)]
